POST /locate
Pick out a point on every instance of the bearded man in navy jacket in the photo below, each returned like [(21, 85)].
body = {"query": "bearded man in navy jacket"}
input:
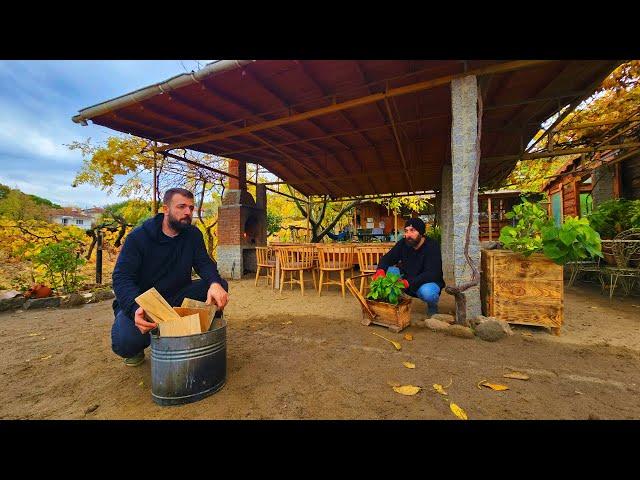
[(160, 254)]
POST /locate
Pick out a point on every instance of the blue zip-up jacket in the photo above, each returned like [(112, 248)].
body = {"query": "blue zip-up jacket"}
[(149, 258)]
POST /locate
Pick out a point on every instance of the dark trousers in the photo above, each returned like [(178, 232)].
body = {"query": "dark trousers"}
[(126, 339)]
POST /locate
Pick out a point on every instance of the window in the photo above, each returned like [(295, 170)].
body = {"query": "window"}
[(556, 208), (79, 222), (586, 204), (65, 221)]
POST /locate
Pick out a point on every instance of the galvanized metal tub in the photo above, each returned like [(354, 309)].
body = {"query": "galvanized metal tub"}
[(187, 369)]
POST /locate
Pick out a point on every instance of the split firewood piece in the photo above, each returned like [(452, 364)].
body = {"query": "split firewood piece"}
[(156, 307), (188, 325), (191, 303)]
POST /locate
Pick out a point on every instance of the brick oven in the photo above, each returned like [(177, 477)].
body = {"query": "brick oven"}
[(242, 224)]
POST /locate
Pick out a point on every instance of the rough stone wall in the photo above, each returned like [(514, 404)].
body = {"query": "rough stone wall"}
[(602, 185)]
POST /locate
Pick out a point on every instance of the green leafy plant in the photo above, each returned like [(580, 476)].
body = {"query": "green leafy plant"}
[(614, 216), (62, 262), (534, 232), (574, 240), (526, 236), (435, 233), (387, 288)]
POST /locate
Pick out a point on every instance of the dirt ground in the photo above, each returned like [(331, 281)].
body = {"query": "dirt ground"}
[(295, 357)]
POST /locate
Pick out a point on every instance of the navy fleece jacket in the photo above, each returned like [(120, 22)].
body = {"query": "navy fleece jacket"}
[(149, 258), (417, 266)]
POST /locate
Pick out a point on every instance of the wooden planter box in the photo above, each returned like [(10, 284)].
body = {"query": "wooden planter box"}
[(520, 290), (394, 317)]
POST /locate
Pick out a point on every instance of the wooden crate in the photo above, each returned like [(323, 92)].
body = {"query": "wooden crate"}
[(522, 290), (395, 317)]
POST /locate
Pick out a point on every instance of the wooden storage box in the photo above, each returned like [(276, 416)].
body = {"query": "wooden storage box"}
[(522, 290)]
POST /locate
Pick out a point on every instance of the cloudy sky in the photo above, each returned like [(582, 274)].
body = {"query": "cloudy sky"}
[(37, 101)]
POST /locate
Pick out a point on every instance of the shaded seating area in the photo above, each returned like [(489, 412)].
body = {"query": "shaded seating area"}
[(619, 267)]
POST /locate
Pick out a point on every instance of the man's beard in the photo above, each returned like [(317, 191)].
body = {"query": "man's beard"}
[(411, 242), (179, 225)]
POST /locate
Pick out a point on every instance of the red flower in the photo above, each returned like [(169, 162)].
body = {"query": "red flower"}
[(379, 273), (406, 283)]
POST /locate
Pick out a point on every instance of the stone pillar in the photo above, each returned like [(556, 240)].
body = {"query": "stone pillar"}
[(446, 224), (457, 180)]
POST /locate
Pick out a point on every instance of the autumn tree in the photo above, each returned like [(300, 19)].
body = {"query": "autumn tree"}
[(617, 99)]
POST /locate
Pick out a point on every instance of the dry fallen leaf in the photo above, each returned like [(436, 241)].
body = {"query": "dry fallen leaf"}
[(516, 375), (392, 383), (438, 388), (287, 323), (458, 412), (408, 336), (34, 334), (494, 386), (409, 364), (46, 358), (407, 389), (395, 344), (141, 384)]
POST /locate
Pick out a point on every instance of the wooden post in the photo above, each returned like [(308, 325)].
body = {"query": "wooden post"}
[(308, 215), (155, 181), (99, 256), (395, 225), (489, 214)]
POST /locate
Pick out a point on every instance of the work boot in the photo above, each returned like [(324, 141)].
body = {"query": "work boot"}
[(135, 360)]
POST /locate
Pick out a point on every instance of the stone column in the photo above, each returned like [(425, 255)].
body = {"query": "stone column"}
[(457, 180)]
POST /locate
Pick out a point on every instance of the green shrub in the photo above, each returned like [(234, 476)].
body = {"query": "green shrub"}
[(614, 216), (534, 232), (62, 262)]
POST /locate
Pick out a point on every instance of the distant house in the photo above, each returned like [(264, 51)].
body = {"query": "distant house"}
[(71, 216), (577, 188), (94, 212)]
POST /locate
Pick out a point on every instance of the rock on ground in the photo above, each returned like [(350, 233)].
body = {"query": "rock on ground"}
[(490, 331), (434, 324), (459, 331)]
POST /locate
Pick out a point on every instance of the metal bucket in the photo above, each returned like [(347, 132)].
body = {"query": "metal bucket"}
[(187, 369)]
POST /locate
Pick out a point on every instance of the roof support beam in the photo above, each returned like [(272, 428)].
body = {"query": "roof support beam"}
[(399, 145), (416, 87)]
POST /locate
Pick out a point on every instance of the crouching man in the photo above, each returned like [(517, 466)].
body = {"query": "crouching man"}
[(160, 254), (418, 259)]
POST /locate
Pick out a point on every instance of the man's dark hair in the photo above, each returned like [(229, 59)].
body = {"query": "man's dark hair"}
[(168, 195)]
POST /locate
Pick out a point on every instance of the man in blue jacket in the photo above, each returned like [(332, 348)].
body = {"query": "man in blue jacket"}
[(161, 253), (418, 259)]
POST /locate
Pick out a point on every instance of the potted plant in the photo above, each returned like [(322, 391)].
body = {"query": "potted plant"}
[(524, 284), (386, 303)]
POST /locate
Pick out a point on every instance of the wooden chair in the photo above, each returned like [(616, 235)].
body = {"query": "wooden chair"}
[(296, 259), (334, 258), (368, 259), (266, 259)]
